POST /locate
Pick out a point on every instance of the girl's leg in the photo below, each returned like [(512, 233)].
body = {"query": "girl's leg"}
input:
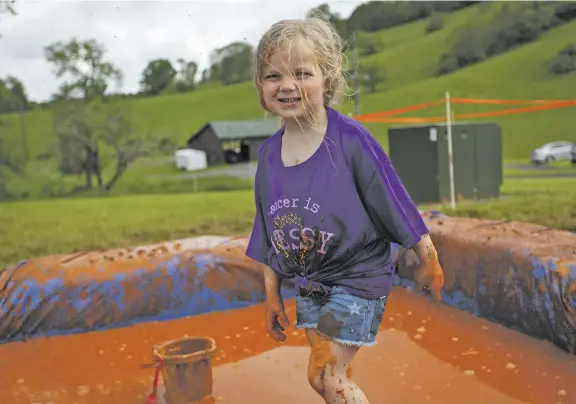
[(329, 370), (314, 377), (344, 324)]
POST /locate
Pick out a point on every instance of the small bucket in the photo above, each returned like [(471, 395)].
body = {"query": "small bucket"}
[(187, 369)]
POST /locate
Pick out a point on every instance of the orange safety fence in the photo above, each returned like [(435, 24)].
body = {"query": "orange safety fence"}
[(533, 106), (488, 101), (401, 110)]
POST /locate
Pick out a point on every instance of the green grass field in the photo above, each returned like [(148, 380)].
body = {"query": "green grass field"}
[(36, 228)]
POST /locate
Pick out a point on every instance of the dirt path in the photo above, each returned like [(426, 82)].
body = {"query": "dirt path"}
[(426, 353)]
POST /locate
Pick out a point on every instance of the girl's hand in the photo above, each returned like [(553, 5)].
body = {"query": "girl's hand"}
[(430, 275), (276, 319)]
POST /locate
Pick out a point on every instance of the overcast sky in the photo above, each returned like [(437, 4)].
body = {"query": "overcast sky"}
[(135, 32)]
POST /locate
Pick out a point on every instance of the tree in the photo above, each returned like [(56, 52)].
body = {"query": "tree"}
[(231, 64), (13, 96), (157, 76), (7, 7), (339, 23), (368, 44), (81, 129), (83, 62), (10, 163), (564, 62), (371, 77), (181, 81), (515, 24), (436, 23), (186, 78), (374, 16), (75, 125), (7, 102), (17, 90), (118, 134), (205, 76)]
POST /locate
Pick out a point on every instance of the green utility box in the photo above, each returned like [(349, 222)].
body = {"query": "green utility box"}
[(420, 157)]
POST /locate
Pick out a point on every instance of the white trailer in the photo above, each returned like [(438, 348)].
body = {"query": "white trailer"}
[(190, 159)]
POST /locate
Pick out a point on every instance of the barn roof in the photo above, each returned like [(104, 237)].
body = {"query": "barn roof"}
[(237, 130)]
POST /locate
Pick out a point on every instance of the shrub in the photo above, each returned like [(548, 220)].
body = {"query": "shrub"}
[(377, 15), (564, 62), (565, 11), (368, 44), (435, 23), (569, 50), (371, 77), (514, 25)]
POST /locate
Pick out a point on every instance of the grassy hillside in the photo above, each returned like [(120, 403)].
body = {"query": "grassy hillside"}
[(178, 115), (518, 74), (409, 56)]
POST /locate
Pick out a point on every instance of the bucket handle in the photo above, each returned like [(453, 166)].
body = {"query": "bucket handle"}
[(158, 367)]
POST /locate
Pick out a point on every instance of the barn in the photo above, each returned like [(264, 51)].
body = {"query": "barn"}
[(232, 141)]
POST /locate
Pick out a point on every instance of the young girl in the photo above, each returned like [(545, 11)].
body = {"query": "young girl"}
[(328, 205)]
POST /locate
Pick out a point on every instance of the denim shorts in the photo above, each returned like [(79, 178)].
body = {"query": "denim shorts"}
[(341, 316)]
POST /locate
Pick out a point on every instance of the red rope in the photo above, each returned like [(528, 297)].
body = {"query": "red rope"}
[(153, 397)]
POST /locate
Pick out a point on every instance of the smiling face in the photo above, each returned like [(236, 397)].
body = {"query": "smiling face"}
[(292, 83), (298, 69)]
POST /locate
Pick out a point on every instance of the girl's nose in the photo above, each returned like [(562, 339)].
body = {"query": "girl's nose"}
[(288, 83)]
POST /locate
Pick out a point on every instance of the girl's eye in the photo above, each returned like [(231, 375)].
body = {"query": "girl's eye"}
[(303, 74), (272, 77)]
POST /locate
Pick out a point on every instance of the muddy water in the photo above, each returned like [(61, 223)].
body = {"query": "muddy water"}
[(426, 353)]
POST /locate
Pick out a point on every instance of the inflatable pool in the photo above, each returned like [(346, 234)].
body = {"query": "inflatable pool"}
[(521, 275)]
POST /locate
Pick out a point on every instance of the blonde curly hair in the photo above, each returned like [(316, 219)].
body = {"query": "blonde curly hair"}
[(314, 34)]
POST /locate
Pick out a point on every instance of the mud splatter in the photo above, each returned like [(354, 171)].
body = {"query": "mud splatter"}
[(330, 324), (46, 295), (449, 333), (515, 273)]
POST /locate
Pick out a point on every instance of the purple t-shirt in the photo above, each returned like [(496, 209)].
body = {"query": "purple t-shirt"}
[(330, 220)]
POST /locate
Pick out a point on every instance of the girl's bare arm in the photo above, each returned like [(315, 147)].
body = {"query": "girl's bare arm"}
[(272, 284), (425, 250)]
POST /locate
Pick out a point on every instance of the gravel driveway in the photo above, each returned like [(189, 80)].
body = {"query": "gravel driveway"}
[(241, 170)]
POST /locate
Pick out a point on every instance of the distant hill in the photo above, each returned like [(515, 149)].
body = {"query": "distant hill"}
[(408, 57)]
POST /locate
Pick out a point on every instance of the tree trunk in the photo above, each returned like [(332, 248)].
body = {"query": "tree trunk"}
[(119, 171), (96, 167), (2, 189), (88, 169)]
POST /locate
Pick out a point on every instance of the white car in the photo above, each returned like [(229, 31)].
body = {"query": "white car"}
[(551, 152)]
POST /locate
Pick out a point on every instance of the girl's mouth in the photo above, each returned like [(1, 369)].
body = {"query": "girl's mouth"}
[(289, 101)]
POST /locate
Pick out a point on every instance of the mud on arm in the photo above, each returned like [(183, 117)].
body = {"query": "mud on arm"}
[(272, 284), (425, 250)]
